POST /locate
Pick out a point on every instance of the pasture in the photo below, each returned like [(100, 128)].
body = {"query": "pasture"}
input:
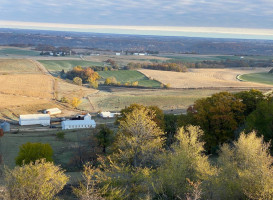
[(4, 51), (205, 78), (170, 100), (58, 65), (193, 58), (130, 76), (264, 78)]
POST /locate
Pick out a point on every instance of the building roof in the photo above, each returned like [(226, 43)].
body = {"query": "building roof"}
[(35, 117), (79, 122), (53, 110)]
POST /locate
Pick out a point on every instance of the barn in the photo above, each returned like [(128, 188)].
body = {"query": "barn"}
[(33, 119), (80, 122), (52, 111)]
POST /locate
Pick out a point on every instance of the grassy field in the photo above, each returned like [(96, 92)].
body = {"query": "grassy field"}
[(258, 78), (198, 58), (18, 52), (63, 150), (124, 76), (177, 100), (58, 65)]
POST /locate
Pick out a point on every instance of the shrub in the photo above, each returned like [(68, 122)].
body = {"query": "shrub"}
[(30, 152), (60, 135)]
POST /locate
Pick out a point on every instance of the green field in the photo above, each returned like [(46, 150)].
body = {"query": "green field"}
[(19, 52), (124, 76), (58, 65), (258, 78), (199, 58)]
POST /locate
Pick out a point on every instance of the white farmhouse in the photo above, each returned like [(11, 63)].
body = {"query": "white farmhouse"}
[(53, 111), (86, 122), (33, 119)]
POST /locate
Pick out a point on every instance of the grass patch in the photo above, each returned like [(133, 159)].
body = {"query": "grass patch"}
[(63, 150), (124, 76), (19, 52), (58, 65), (258, 78)]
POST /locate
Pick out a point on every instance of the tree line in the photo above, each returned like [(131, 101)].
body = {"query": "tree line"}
[(210, 153)]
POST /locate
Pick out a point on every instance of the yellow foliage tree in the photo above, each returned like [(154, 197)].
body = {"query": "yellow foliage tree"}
[(76, 102), (186, 162), (39, 180), (246, 170)]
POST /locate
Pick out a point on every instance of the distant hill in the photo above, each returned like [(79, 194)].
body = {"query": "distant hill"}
[(115, 42)]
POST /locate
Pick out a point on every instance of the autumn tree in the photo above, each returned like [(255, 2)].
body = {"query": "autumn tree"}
[(138, 138), (77, 81), (30, 152), (38, 180), (219, 116), (88, 189), (156, 113), (251, 99), (110, 81), (86, 74), (245, 170), (185, 163), (137, 146), (75, 102)]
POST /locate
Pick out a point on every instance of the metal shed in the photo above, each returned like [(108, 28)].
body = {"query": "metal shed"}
[(33, 119)]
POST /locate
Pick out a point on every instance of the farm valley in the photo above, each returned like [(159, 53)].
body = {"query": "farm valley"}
[(31, 83)]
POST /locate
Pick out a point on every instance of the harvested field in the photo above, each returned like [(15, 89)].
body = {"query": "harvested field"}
[(27, 85), (18, 66), (205, 78)]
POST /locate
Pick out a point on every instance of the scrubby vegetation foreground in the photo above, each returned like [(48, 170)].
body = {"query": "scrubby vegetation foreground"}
[(145, 160)]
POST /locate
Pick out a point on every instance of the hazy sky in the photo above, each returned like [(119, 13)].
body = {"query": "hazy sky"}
[(183, 13)]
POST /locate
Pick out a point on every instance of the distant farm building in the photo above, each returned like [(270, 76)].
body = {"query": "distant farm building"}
[(79, 122), (5, 126), (34, 119), (53, 111), (117, 54), (108, 114)]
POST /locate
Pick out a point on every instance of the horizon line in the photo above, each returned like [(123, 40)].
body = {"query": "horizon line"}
[(222, 32)]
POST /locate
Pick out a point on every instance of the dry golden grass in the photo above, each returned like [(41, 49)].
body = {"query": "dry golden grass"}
[(205, 78), (18, 66), (27, 85)]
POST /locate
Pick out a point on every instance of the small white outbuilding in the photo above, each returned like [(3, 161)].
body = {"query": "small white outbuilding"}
[(108, 114), (33, 119), (52, 111), (86, 122)]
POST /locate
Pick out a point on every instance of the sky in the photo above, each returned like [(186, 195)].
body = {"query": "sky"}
[(254, 18)]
